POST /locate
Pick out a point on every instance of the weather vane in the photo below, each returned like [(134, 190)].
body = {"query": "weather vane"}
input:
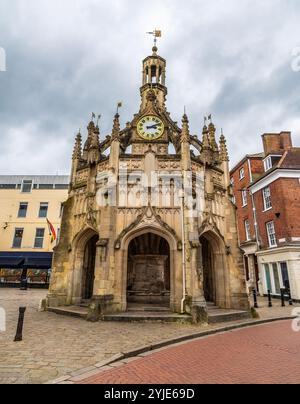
[(156, 34)]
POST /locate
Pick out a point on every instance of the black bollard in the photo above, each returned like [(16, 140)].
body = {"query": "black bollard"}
[(24, 280), (290, 297), (19, 334), (282, 297), (255, 299), (270, 298)]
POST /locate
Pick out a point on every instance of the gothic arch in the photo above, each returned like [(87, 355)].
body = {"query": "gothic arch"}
[(80, 243), (172, 242), (134, 233), (155, 222), (83, 236), (216, 281)]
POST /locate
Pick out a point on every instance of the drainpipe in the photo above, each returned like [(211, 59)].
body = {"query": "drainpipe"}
[(183, 254)]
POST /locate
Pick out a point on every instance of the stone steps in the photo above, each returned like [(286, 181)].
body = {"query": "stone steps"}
[(140, 316), (71, 311), (149, 313), (217, 315), (147, 308)]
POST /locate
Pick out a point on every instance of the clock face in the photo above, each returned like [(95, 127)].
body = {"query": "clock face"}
[(150, 127)]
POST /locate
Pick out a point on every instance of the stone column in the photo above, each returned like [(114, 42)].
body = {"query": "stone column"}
[(198, 304)]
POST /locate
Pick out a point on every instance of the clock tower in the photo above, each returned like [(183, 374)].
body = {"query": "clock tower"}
[(147, 227), (154, 78), (152, 128)]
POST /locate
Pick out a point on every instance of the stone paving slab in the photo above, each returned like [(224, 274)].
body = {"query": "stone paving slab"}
[(54, 346)]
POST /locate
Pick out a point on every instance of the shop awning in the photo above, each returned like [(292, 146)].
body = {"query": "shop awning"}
[(11, 262), (26, 260), (37, 263)]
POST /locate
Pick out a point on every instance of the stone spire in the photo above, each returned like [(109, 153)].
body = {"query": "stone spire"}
[(185, 144), (93, 144), (90, 128), (223, 148), (185, 133), (114, 157), (207, 152), (205, 138), (212, 137), (77, 153), (116, 128)]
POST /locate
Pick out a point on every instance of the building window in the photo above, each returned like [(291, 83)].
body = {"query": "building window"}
[(268, 278), (26, 187), (267, 198), (268, 163), (23, 209), (247, 230), (17, 242), (271, 234), (271, 161), (232, 182), (39, 238), (43, 209), (285, 275), (242, 173), (244, 197), (276, 279)]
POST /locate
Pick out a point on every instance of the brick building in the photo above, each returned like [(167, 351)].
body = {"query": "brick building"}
[(266, 190)]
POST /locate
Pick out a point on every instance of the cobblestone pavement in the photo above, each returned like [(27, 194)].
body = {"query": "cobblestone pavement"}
[(54, 345), (257, 355)]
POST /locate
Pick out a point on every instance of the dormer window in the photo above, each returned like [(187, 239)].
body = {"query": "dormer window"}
[(270, 161)]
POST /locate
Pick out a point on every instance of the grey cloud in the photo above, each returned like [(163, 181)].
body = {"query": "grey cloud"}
[(67, 59)]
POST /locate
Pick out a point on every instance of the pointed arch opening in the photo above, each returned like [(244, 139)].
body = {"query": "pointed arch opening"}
[(148, 271), (84, 265), (215, 279), (88, 270)]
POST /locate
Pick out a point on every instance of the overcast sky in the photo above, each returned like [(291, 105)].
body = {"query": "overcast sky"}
[(67, 58)]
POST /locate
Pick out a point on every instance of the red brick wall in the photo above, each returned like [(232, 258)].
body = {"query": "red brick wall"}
[(285, 194), (244, 213), (276, 142)]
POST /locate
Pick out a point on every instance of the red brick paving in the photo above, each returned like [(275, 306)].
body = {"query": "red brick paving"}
[(256, 355)]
